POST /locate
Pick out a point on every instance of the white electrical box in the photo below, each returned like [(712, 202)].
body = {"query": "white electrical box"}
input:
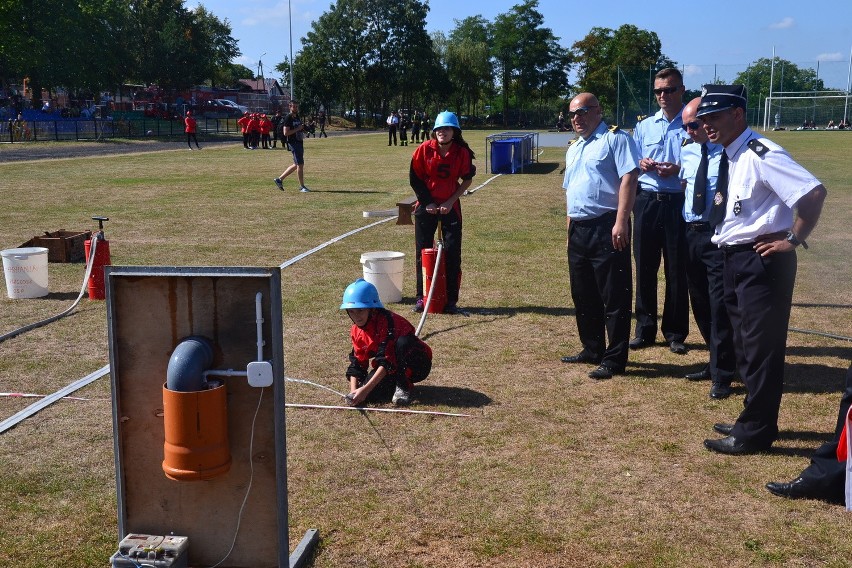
[(136, 550), (259, 373)]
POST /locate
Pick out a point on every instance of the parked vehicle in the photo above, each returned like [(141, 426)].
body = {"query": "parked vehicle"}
[(216, 109), (230, 103)]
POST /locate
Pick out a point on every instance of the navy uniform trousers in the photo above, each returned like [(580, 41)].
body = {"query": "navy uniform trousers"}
[(758, 295), (825, 474), (659, 232), (706, 288), (601, 288)]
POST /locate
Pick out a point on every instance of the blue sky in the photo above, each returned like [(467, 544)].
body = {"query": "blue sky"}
[(709, 39)]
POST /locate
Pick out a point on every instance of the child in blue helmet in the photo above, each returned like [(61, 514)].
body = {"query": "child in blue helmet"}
[(441, 170), (399, 358)]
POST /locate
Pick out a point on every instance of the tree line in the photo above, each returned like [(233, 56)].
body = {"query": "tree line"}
[(370, 54)]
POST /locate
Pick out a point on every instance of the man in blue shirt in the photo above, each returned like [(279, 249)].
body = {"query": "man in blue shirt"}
[(601, 168), (659, 229), (699, 171)]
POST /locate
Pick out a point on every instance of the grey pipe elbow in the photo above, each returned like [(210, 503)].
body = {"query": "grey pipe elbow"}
[(189, 360)]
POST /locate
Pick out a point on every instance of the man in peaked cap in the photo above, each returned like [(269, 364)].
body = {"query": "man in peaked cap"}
[(759, 185)]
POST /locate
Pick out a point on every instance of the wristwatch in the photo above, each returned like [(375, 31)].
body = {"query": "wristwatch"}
[(794, 240)]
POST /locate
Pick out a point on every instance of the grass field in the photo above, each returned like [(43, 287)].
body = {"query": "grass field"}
[(554, 469)]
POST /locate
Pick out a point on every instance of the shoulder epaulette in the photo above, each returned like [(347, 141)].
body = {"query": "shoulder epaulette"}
[(685, 142), (641, 117), (571, 142), (757, 147), (614, 128)]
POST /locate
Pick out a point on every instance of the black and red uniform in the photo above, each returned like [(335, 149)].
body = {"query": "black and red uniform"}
[(388, 339), (434, 180)]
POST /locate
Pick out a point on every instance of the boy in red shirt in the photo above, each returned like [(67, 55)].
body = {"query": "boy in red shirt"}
[(190, 129), (244, 122), (265, 127), (399, 358)]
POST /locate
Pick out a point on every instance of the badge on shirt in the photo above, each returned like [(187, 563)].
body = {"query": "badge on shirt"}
[(718, 198), (737, 208)]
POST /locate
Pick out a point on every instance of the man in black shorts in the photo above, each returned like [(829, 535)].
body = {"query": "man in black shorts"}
[(294, 134)]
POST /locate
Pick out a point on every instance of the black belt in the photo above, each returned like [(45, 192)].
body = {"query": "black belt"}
[(699, 226), (660, 196), (731, 249), (606, 218)]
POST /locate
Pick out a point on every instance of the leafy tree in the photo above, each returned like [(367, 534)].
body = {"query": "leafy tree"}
[(467, 53), (523, 50), (788, 77), (628, 56)]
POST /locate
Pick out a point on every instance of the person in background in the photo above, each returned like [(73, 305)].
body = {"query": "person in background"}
[(699, 173), (393, 124), (386, 342), (265, 126), (243, 121), (294, 134), (190, 128), (601, 169), (440, 172), (276, 121), (758, 189), (659, 230)]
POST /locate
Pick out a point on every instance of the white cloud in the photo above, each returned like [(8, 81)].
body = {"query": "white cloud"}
[(692, 70), (784, 24), (836, 56)]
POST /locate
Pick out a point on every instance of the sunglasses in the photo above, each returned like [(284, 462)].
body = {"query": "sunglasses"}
[(582, 111), (666, 90), (694, 125)]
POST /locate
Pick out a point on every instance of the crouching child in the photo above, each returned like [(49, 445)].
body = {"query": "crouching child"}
[(386, 342)]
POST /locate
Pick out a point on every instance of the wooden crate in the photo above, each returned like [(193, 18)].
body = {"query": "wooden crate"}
[(62, 245)]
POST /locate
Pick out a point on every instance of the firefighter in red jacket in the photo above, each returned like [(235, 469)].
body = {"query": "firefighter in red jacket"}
[(244, 122), (441, 170), (399, 358), (265, 127)]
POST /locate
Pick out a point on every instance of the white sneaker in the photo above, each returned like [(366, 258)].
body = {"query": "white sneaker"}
[(401, 397), (304, 189)]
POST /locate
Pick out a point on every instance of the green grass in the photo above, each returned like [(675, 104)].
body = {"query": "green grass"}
[(553, 470)]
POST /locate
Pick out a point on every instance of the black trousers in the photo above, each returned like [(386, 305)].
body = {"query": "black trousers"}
[(758, 295), (825, 473), (392, 135), (602, 290), (425, 225), (413, 364), (706, 291), (659, 234)]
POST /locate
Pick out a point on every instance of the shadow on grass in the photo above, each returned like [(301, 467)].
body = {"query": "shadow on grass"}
[(457, 397), (814, 378), (807, 305), (540, 168), (349, 191), (63, 295)]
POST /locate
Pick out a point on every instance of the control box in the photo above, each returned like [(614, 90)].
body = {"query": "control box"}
[(136, 550)]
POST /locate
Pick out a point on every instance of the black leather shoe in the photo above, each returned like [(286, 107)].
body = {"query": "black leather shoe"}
[(702, 375), (581, 357), (732, 446), (797, 489), (723, 428), (720, 391), (602, 372), (640, 343), (678, 348)]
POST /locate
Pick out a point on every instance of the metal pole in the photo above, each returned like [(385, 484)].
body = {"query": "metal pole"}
[(290, 16), (848, 86)]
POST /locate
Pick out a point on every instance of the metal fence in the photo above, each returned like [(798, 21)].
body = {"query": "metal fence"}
[(107, 129)]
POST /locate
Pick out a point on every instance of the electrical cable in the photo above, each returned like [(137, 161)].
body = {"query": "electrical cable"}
[(251, 478), (303, 381), (820, 333), (38, 324)]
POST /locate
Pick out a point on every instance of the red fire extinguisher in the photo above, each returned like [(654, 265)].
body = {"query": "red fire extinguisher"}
[(439, 292), (97, 287)]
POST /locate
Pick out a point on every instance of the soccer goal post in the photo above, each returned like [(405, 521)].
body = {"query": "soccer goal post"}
[(805, 110)]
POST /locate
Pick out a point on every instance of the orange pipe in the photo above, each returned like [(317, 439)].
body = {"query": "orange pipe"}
[(196, 434)]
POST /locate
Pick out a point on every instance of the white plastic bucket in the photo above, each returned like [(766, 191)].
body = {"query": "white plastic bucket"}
[(26, 272), (383, 269)]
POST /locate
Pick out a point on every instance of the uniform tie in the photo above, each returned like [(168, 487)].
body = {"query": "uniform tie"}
[(700, 188), (720, 200)]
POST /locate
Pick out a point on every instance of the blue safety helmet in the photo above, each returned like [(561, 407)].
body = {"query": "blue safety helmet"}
[(361, 294), (446, 118)]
